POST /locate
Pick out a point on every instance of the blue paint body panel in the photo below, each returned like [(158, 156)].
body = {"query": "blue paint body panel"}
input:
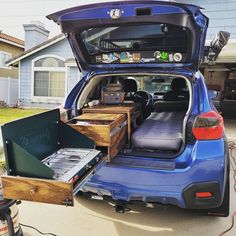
[(194, 165), (152, 179), (202, 162)]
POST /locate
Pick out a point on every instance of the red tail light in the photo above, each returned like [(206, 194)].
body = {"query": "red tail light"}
[(208, 125), (203, 194)]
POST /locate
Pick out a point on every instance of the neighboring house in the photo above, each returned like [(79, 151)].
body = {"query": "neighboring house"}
[(9, 47), (47, 68), (222, 14)]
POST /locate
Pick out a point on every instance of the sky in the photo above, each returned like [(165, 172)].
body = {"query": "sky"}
[(15, 13)]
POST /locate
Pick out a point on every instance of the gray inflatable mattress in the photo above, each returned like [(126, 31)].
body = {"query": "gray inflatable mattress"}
[(160, 131)]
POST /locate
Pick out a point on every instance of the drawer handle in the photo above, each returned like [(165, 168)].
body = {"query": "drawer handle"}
[(32, 192)]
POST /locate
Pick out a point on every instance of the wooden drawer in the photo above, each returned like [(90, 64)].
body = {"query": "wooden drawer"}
[(107, 130), (131, 110)]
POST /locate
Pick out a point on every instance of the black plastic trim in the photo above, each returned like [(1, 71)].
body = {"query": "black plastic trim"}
[(144, 11), (192, 202), (19, 232), (178, 19)]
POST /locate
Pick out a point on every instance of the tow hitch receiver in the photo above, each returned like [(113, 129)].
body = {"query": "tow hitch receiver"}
[(121, 207)]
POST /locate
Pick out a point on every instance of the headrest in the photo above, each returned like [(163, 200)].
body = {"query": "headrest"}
[(178, 84), (130, 85), (170, 106)]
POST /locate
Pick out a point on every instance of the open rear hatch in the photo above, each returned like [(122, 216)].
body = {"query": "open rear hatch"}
[(47, 160), (135, 33)]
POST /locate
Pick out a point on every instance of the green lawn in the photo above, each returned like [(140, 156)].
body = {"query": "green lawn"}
[(10, 114)]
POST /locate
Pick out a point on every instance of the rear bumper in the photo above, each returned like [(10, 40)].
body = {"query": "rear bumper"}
[(200, 167)]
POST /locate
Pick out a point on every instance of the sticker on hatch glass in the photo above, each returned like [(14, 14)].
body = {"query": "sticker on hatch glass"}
[(108, 58), (125, 57), (171, 59), (136, 57), (99, 59), (157, 55), (161, 56), (164, 56), (139, 57), (178, 57)]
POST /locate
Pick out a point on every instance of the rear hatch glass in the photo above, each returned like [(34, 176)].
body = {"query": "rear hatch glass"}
[(137, 43)]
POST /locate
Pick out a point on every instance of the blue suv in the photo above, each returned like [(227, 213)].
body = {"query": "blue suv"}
[(177, 151)]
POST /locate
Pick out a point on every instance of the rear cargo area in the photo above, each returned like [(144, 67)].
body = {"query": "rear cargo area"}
[(156, 109)]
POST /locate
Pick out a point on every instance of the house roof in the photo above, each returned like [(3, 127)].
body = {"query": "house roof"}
[(228, 53), (11, 40), (15, 60)]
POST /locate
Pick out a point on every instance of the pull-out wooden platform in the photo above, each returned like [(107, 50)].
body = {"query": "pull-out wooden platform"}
[(47, 160)]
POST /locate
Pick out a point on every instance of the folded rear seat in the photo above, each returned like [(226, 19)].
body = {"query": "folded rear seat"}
[(160, 131), (171, 106)]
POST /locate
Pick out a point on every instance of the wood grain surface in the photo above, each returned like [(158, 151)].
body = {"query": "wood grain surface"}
[(37, 190), (99, 133), (107, 130), (110, 109)]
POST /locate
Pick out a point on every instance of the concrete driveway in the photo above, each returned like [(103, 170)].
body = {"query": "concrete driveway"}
[(93, 217), (97, 218)]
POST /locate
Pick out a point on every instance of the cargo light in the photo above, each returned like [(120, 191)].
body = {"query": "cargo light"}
[(208, 126), (203, 194)]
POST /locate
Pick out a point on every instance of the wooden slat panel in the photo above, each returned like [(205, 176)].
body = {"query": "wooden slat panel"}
[(116, 119), (37, 190), (99, 133), (98, 116), (119, 121), (110, 109), (118, 142)]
